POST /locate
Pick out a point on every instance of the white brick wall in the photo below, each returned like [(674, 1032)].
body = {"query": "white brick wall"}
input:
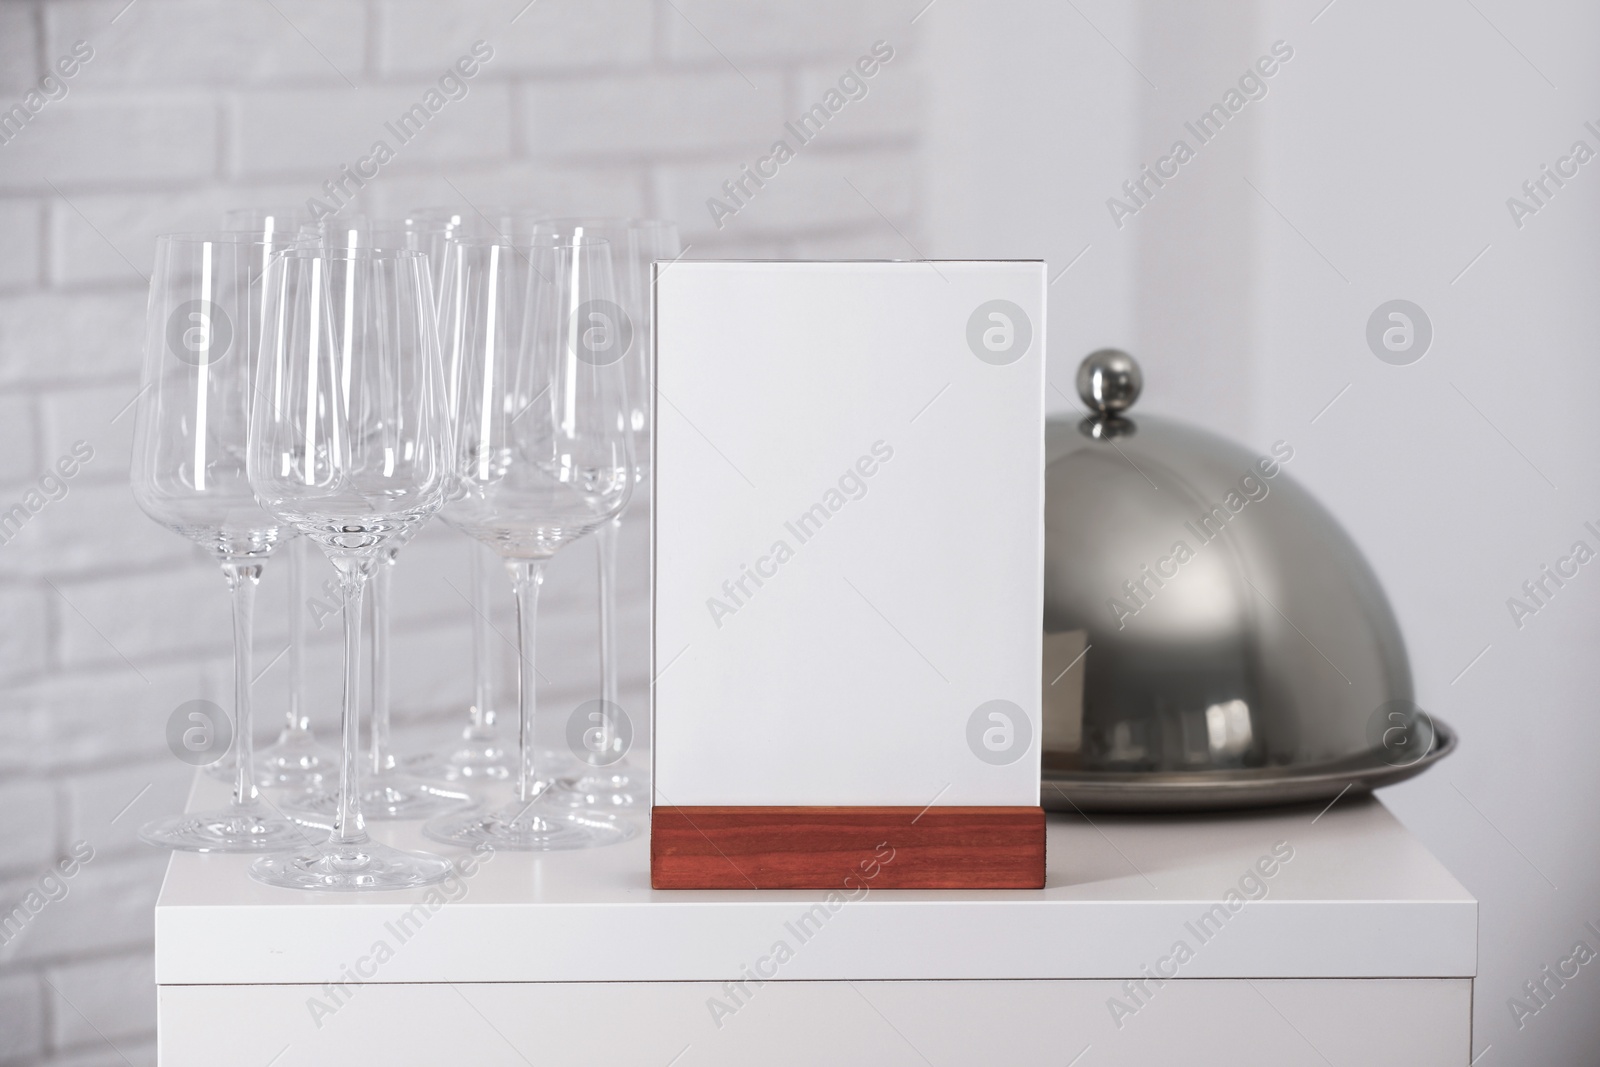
[(62, 337), (19, 56), (20, 222), (272, 137), (190, 107), (21, 1017), (768, 33), (95, 138), (660, 114), (209, 45)]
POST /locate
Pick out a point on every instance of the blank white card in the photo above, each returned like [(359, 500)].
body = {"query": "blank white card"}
[(848, 533)]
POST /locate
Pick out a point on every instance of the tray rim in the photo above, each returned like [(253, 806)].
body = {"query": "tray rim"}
[(1230, 790)]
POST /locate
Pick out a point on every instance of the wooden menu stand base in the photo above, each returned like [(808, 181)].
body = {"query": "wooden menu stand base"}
[(821, 847)]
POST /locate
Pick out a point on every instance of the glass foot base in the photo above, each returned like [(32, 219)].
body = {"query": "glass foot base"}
[(242, 828), (469, 760), (609, 792), (354, 867), (531, 826), (293, 761), (391, 796)]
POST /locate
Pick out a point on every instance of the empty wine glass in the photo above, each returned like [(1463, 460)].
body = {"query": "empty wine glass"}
[(480, 753), (428, 231), (637, 243), (296, 759), (388, 791), (436, 228), (543, 455), (350, 444), (189, 475)]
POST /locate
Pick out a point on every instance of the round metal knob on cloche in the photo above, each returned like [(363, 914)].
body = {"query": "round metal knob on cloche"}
[(1212, 636)]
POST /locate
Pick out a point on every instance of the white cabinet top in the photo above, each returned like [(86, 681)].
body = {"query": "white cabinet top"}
[(1346, 893)]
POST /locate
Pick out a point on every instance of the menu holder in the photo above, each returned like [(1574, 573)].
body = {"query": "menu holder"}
[(847, 557)]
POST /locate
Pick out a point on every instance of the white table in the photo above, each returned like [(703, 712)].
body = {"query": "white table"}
[(1362, 952)]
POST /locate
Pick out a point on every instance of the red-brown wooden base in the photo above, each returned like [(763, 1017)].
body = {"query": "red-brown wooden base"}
[(846, 848)]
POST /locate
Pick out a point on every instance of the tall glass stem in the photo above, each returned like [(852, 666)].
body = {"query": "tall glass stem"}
[(527, 576), (299, 722), (348, 826), (606, 551), (242, 576), (382, 757), (481, 715)]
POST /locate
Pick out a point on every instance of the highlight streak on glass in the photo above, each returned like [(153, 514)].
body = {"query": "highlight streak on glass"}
[(266, 260), (349, 316), (203, 374), (487, 405), (277, 357), (455, 341), (569, 412), (311, 377)]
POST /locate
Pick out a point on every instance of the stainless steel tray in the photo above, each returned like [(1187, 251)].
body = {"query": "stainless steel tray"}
[(1230, 790)]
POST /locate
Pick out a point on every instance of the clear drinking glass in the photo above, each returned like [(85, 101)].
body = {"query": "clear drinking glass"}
[(428, 231), (436, 227), (608, 780), (543, 455), (350, 445), (388, 791), (480, 753), (296, 760), (201, 326)]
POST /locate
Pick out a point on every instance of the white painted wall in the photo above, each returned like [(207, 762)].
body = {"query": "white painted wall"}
[(1381, 161)]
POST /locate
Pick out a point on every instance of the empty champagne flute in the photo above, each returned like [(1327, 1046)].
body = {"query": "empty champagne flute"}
[(188, 474), (350, 445), (607, 781), (543, 456)]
